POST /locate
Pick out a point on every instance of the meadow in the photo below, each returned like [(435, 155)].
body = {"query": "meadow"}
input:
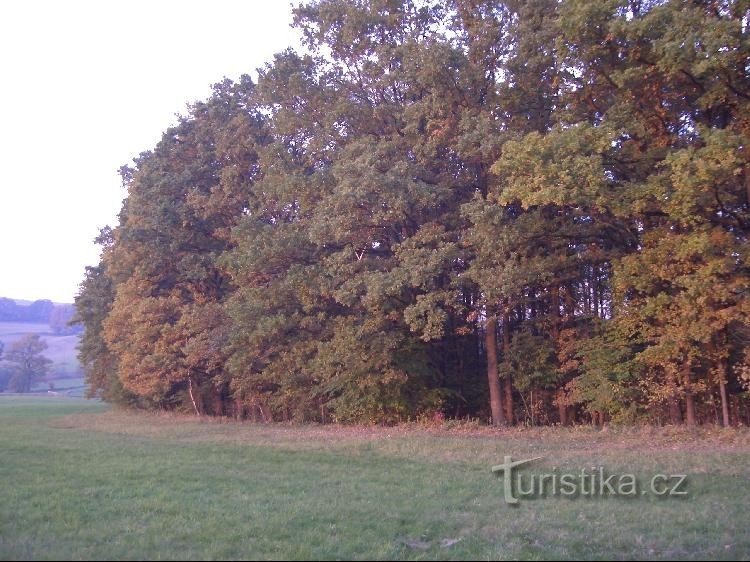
[(83, 481)]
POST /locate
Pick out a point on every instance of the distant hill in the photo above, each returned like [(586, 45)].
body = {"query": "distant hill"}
[(65, 371), (49, 320), (23, 302), (56, 315)]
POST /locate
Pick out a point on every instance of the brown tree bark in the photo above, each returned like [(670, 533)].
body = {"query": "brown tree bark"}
[(562, 408), (239, 409), (508, 395), (689, 409), (675, 413), (746, 151), (219, 408), (496, 400), (509, 406), (570, 305), (723, 393), (689, 398), (555, 297)]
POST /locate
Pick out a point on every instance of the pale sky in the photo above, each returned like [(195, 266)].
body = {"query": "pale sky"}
[(85, 87)]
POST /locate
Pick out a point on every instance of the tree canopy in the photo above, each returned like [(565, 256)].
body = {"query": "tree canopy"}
[(27, 363), (530, 211)]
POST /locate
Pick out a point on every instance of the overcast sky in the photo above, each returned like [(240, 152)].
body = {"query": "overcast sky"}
[(85, 87)]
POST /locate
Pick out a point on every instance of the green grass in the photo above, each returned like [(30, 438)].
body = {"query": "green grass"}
[(80, 481)]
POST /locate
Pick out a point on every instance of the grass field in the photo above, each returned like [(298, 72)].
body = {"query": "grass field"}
[(80, 481), (69, 386)]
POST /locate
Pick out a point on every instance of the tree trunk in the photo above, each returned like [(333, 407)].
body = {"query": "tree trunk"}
[(675, 413), (555, 297), (509, 406), (562, 409), (586, 298), (595, 290), (265, 412), (689, 398), (690, 409), (570, 305), (496, 400), (723, 393), (192, 396), (219, 409), (510, 418)]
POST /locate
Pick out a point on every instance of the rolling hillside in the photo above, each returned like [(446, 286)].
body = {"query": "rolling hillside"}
[(65, 372)]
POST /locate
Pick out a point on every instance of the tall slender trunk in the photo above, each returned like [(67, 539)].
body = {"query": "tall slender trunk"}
[(689, 409), (192, 396), (509, 406), (595, 289), (496, 399), (675, 413), (587, 298), (562, 408), (265, 412), (555, 298), (689, 398), (746, 151), (508, 395), (673, 402), (570, 305), (723, 393), (219, 409)]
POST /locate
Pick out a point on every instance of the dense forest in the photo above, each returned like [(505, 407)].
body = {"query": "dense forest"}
[(529, 211)]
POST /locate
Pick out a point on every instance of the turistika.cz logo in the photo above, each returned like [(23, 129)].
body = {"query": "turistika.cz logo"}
[(588, 482)]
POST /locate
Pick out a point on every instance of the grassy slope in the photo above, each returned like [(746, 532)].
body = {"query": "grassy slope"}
[(61, 349), (81, 482)]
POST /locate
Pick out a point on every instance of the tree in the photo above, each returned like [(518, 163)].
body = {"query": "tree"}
[(93, 304), (39, 311), (60, 320), (5, 370), (9, 310), (28, 361), (165, 324)]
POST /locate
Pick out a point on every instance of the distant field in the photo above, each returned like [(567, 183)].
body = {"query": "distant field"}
[(62, 349), (69, 386), (84, 482), (14, 330)]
